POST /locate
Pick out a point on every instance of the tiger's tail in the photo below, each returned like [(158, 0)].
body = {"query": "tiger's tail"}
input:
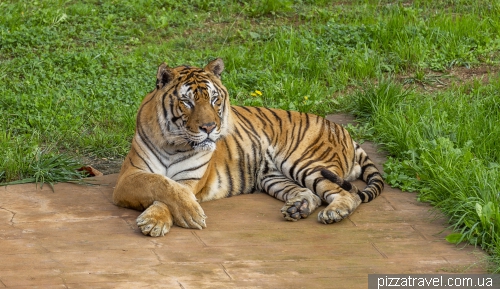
[(368, 173)]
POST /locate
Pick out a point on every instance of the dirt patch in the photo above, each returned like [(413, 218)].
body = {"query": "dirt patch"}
[(432, 80), (482, 73)]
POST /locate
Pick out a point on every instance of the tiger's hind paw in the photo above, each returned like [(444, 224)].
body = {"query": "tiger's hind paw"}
[(296, 211), (339, 209), (299, 208), (328, 216)]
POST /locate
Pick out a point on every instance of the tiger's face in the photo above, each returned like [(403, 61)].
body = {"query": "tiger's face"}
[(195, 105)]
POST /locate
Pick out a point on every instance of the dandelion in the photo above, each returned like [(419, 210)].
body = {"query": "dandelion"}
[(256, 93), (306, 97)]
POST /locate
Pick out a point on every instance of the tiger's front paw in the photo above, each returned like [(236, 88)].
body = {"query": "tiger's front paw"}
[(189, 215), (155, 221)]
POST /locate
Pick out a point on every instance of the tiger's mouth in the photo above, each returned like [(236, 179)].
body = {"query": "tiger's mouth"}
[(205, 145)]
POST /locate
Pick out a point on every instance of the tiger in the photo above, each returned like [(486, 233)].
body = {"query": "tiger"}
[(191, 146)]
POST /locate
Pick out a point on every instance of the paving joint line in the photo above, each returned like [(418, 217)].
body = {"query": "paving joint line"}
[(11, 221), (387, 200), (199, 239), (227, 273), (380, 252), (131, 226), (110, 200), (418, 232), (157, 257), (180, 284)]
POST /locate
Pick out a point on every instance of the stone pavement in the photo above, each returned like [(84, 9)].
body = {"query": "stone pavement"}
[(74, 237)]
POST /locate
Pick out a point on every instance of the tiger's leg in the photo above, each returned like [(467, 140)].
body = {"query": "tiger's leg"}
[(300, 202), (164, 202), (341, 203)]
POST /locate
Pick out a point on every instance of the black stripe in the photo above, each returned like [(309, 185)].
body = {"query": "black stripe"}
[(304, 176), (132, 163), (248, 123), (266, 167), (139, 155), (246, 108), (311, 152), (372, 175), (229, 154), (267, 179), (266, 122), (315, 184), (252, 135), (241, 172), (308, 163), (344, 147), (165, 114), (366, 166), (190, 169), (187, 156), (291, 149), (188, 179), (219, 181), (308, 124), (364, 159), (263, 115), (237, 132), (378, 184), (230, 180), (273, 184), (150, 145), (273, 112)]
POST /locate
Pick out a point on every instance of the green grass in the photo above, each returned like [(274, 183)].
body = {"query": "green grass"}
[(445, 146), (72, 74)]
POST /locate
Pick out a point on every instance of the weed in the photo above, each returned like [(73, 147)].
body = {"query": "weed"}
[(45, 167)]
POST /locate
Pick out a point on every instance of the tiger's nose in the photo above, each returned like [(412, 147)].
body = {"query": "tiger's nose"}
[(208, 127)]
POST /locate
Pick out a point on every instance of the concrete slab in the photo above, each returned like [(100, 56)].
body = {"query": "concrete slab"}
[(74, 237)]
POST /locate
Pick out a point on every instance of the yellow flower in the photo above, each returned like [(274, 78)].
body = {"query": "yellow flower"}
[(306, 97), (253, 94), (258, 92)]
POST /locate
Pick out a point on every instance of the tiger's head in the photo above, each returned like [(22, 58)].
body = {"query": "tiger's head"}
[(194, 105)]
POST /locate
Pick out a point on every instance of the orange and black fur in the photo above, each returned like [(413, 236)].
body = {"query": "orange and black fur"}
[(191, 146)]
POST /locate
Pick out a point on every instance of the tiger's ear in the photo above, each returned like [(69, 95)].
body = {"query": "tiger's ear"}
[(163, 76), (215, 66)]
